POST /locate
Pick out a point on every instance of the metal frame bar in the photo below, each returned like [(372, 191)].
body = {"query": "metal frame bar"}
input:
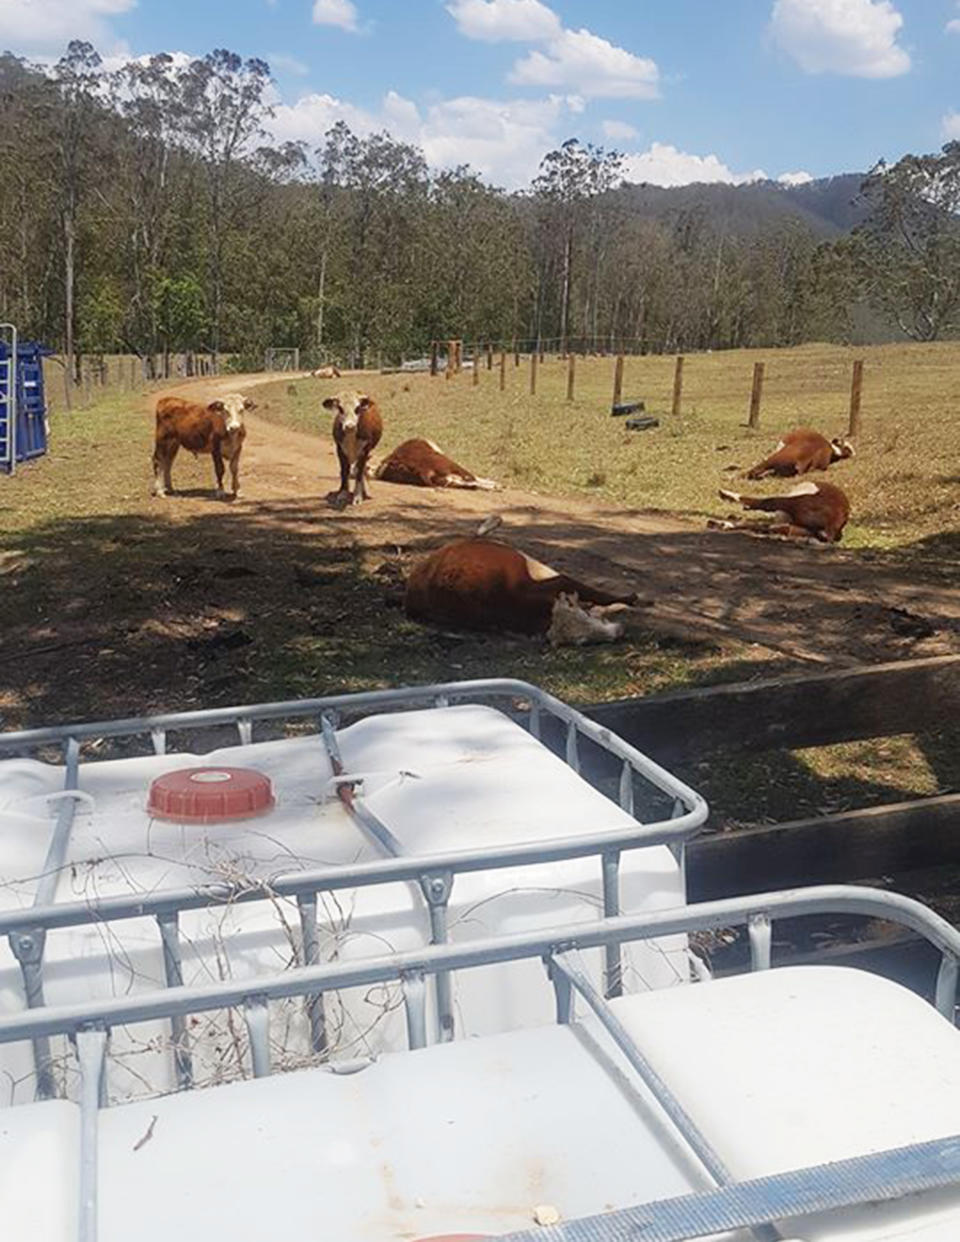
[(428, 960), (751, 1204), (434, 874), (757, 1204), (12, 396)]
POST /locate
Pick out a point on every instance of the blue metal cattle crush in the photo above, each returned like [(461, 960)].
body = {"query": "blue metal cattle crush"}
[(23, 422)]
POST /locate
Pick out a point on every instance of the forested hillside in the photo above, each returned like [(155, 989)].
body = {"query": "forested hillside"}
[(145, 210)]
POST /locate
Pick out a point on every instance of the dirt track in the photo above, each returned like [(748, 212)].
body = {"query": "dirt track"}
[(815, 603)]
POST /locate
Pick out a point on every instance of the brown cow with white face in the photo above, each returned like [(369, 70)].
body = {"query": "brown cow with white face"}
[(422, 463), (357, 428), (216, 428), (807, 511), (483, 584), (801, 451)]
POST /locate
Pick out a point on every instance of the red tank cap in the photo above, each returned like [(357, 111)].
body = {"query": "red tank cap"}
[(209, 795)]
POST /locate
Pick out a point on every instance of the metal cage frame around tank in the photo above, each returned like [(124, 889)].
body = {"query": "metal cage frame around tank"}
[(727, 1204), (435, 873)]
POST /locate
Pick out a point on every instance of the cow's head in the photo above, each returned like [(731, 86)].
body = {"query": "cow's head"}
[(573, 625), (348, 406), (232, 407), (840, 448)]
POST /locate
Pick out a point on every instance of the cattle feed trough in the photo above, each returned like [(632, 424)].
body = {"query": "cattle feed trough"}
[(438, 823)]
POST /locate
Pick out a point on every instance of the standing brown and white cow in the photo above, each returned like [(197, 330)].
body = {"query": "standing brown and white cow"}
[(216, 428), (357, 428), (421, 463), (800, 451)]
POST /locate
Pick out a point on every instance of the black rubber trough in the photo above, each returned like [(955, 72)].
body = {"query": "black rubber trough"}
[(628, 407)]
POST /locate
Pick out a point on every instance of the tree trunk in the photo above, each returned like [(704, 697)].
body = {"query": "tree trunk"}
[(68, 275), (320, 288)]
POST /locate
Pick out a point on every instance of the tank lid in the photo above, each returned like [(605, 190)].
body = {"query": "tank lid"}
[(209, 795)]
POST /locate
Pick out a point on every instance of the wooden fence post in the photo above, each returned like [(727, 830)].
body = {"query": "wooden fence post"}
[(476, 365), (856, 388), (571, 368), (755, 394), (533, 373), (516, 353), (677, 385), (433, 357), (489, 356), (618, 379)]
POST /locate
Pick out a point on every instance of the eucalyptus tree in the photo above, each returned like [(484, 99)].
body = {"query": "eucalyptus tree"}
[(79, 82), (377, 189), (570, 188), (224, 107), (907, 251)]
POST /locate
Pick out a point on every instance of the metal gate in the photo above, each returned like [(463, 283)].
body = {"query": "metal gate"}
[(23, 424), (8, 397)]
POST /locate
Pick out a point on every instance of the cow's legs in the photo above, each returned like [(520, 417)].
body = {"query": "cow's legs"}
[(235, 474), (362, 492), (563, 584), (761, 527), (163, 456), (217, 454), (474, 484), (344, 493)]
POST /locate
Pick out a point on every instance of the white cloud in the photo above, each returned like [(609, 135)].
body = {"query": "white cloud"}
[(342, 13), (950, 126), (662, 164), (504, 140), (953, 26), (856, 38), (584, 62), (619, 130), (45, 27), (495, 21), (795, 178), (287, 64)]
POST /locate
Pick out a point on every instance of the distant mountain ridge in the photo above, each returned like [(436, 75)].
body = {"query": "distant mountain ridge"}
[(828, 206)]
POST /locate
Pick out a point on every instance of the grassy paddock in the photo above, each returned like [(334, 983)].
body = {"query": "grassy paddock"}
[(113, 604), (904, 484)]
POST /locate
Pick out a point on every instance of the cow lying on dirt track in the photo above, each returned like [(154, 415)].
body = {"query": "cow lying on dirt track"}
[(482, 584), (807, 511), (330, 372), (357, 428), (800, 451), (422, 463), (216, 428)]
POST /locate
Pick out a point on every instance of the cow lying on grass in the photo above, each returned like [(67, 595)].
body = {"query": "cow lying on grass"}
[(482, 584), (331, 372), (422, 463), (357, 428), (800, 451), (216, 428), (807, 511)]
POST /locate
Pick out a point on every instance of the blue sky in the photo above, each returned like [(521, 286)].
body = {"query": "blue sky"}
[(688, 89)]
